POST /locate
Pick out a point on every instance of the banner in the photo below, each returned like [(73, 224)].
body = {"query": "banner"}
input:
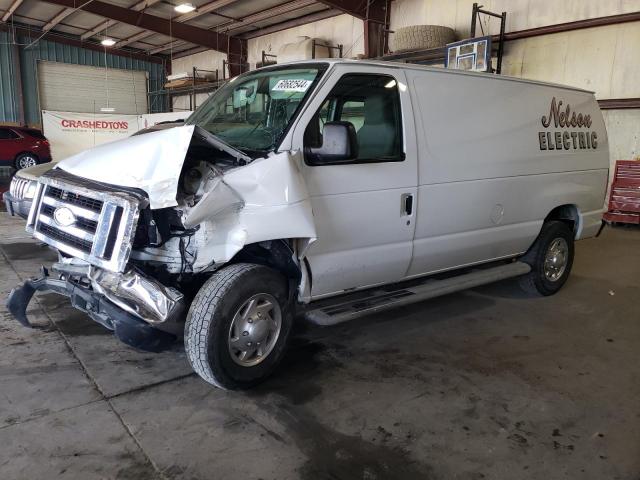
[(70, 133)]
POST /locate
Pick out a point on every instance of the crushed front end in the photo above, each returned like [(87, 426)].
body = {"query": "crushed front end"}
[(93, 225)]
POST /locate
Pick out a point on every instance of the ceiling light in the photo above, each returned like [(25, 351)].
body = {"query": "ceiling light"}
[(184, 8), (107, 109), (108, 42)]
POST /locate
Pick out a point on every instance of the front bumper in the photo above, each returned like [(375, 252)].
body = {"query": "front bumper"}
[(126, 326), (16, 206)]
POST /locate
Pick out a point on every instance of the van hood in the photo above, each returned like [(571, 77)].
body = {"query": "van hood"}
[(151, 162)]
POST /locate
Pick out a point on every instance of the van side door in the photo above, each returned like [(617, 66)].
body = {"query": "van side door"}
[(364, 209)]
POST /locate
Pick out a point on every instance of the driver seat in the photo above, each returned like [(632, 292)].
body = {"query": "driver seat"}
[(377, 136)]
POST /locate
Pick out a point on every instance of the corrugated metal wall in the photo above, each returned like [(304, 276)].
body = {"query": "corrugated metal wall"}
[(58, 52), (8, 100)]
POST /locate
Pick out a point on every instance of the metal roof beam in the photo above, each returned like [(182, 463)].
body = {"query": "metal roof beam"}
[(31, 32), (187, 33), (189, 51), (97, 29), (142, 5), (243, 22), (204, 9), (265, 14), (169, 46), (14, 6), (133, 38), (296, 22), (357, 8), (57, 19)]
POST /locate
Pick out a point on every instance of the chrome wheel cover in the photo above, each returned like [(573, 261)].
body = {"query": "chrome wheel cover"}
[(27, 161), (254, 330), (555, 260)]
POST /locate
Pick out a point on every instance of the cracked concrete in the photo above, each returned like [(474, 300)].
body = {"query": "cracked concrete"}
[(482, 384)]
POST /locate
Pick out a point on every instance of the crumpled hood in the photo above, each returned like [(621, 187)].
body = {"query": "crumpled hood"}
[(151, 162)]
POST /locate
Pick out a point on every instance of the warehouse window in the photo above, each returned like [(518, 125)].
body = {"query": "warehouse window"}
[(371, 103)]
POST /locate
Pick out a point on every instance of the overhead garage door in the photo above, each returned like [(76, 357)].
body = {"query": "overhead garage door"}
[(77, 88)]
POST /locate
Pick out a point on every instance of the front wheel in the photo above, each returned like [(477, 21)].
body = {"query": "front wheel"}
[(551, 259), (238, 326)]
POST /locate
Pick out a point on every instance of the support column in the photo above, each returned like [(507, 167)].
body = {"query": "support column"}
[(237, 56), (376, 28)]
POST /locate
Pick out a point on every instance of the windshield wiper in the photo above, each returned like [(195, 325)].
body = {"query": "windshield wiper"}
[(215, 141)]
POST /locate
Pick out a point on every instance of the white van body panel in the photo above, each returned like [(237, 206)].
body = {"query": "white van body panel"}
[(484, 185), (363, 238), (487, 159)]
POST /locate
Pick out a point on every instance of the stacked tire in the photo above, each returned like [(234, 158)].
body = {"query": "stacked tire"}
[(421, 37)]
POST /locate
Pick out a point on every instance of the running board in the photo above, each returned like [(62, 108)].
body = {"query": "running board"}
[(380, 300)]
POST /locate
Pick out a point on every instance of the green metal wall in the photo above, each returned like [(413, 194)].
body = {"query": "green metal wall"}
[(58, 52), (8, 101)]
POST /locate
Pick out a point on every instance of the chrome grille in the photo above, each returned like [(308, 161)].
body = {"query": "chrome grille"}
[(18, 187), (72, 198), (100, 221)]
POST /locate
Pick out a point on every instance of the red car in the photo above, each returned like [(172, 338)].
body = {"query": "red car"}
[(23, 147)]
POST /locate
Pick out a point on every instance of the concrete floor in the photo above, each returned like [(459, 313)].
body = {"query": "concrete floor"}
[(481, 384)]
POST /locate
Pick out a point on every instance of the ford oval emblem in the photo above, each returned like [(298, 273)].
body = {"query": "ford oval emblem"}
[(64, 217)]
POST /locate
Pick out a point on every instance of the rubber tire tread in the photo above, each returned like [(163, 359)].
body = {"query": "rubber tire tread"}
[(421, 37), (534, 283), (201, 320)]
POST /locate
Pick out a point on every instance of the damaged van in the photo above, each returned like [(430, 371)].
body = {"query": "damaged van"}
[(330, 189)]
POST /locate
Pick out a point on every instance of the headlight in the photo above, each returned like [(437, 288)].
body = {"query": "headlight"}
[(23, 188), (30, 191)]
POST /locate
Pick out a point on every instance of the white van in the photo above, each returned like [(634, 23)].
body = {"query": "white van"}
[(296, 185)]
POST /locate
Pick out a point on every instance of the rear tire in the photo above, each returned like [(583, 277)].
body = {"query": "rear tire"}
[(551, 259), (242, 307), (26, 160)]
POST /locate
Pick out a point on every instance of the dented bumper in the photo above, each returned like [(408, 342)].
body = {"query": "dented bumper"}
[(127, 326)]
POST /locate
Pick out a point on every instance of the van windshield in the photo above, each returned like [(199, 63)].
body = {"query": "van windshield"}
[(252, 112)]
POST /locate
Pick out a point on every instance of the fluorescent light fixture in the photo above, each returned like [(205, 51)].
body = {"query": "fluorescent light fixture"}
[(184, 8), (391, 84), (107, 109), (108, 42)]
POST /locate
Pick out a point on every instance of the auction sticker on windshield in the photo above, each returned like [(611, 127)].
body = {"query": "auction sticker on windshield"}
[(292, 85)]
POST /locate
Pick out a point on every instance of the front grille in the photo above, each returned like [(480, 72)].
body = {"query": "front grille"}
[(83, 223), (85, 219), (18, 187), (66, 238), (71, 198)]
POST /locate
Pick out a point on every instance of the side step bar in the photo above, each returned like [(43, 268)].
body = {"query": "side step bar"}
[(380, 300)]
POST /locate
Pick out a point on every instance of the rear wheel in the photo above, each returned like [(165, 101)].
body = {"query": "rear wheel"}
[(551, 259), (238, 326), (26, 160)]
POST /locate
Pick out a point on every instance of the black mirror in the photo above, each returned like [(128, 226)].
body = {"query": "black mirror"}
[(339, 144)]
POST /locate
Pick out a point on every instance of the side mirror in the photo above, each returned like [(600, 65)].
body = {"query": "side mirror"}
[(339, 144)]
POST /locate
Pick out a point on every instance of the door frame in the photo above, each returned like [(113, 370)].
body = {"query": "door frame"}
[(407, 170)]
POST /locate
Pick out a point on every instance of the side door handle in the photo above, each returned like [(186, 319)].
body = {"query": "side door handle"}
[(406, 203)]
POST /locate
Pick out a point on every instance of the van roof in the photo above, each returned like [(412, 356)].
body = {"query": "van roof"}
[(414, 66)]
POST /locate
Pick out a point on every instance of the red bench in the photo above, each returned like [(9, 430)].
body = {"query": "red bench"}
[(624, 199)]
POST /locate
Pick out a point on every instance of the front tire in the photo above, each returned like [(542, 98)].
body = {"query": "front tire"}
[(551, 259), (26, 160), (238, 326)]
